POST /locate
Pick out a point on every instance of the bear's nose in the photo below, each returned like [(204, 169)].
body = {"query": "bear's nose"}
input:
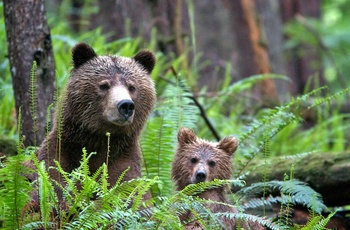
[(201, 176), (126, 108)]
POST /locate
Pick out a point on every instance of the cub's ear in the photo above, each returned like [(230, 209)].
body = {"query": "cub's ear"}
[(146, 59), (186, 136), (82, 53), (228, 144)]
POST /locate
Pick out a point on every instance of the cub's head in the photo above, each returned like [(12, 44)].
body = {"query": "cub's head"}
[(197, 160), (110, 93)]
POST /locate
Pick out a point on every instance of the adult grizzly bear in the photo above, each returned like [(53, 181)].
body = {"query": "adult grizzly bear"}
[(198, 160), (104, 94)]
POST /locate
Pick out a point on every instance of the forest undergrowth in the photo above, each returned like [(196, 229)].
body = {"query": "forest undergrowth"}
[(262, 132)]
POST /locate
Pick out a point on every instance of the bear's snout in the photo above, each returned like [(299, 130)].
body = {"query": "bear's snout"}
[(126, 108), (201, 176)]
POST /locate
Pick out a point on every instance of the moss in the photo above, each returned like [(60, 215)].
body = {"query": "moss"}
[(314, 168)]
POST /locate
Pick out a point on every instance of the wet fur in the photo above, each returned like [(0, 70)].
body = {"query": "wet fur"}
[(83, 123), (184, 170)]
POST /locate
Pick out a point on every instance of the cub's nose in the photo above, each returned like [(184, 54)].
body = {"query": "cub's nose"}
[(126, 108), (201, 176)]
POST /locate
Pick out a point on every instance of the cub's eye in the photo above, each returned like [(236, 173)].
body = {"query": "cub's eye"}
[(211, 163), (193, 160), (131, 88), (104, 85)]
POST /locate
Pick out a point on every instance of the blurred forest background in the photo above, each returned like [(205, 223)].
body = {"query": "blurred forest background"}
[(291, 47), (219, 42)]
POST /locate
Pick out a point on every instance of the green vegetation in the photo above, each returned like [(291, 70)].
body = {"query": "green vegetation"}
[(263, 133)]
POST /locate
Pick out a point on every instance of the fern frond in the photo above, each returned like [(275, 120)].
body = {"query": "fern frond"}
[(298, 193), (194, 189), (104, 179), (113, 207), (141, 191), (40, 225), (299, 155), (277, 112), (318, 222), (159, 138), (182, 110), (256, 203), (14, 191), (48, 127), (320, 101), (47, 196), (33, 100), (287, 119), (246, 84), (158, 143), (20, 146), (251, 218)]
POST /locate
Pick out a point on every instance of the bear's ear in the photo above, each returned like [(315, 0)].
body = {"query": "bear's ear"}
[(228, 144), (186, 136), (82, 53), (146, 59)]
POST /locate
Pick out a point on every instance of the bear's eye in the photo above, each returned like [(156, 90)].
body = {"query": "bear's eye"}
[(194, 160), (131, 89), (104, 85), (211, 163)]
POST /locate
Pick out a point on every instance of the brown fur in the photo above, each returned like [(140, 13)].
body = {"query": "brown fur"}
[(89, 111), (195, 158)]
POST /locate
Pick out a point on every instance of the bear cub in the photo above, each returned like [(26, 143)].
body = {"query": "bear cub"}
[(198, 160), (104, 94)]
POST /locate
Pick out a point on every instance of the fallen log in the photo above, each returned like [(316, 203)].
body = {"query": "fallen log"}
[(326, 173)]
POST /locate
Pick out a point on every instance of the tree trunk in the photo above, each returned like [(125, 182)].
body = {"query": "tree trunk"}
[(272, 27), (326, 173), (252, 52), (29, 40)]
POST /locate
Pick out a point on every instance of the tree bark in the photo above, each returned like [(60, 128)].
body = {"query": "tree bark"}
[(326, 173), (271, 23), (254, 58), (29, 40)]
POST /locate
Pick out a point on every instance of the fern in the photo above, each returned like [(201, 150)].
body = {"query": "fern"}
[(47, 197), (186, 201), (249, 153), (299, 192), (278, 112), (14, 191), (194, 189), (113, 207), (14, 186), (251, 218), (320, 101), (77, 196), (48, 126), (246, 84), (318, 222), (20, 146), (275, 120), (33, 100), (266, 153), (159, 137)]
